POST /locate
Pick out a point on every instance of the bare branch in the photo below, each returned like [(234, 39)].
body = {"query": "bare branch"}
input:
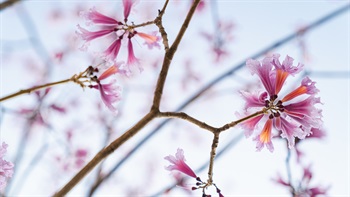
[(8, 3)]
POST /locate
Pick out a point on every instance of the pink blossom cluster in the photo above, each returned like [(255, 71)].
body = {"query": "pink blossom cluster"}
[(119, 30), (110, 92), (303, 189), (6, 167), (293, 114)]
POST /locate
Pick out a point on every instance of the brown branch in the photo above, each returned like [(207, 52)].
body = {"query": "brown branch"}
[(234, 123), (29, 90), (169, 56), (212, 157), (184, 116), (160, 26), (8, 3)]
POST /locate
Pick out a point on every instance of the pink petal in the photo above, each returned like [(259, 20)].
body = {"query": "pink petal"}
[(132, 60), (254, 100), (127, 7), (96, 17), (150, 40), (264, 71), (112, 51), (115, 68), (179, 163), (88, 35), (265, 137), (307, 87)]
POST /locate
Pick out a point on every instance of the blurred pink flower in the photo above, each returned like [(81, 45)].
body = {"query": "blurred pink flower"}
[(294, 118), (303, 188), (6, 167), (179, 163)]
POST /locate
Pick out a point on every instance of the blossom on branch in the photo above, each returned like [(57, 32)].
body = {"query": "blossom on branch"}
[(178, 163), (6, 167), (110, 94), (120, 31), (294, 115)]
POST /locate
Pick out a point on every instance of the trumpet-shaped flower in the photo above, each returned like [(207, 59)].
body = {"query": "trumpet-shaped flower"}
[(127, 8), (178, 163), (295, 115), (94, 17), (151, 40), (132, 60), (110, 94)]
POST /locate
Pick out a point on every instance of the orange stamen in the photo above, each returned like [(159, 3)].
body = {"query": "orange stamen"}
[(281, 76), (110, 71), (297, 92), (265, 135), (147, 37)]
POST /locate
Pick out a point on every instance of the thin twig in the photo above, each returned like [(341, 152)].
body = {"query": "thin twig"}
[(184, 116), (30, 90), (169, 56), (7, 3), (160, 26)]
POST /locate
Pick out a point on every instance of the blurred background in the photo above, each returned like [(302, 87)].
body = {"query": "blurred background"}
[(52, 134)]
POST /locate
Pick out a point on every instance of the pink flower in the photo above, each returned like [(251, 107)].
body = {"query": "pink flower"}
[(284, 69), (179, 163), (110, 94), (107, 26), (303, 188), (150, 40), (95, 17), (6, 167), (127, 7), (293, 118), (88, 35), (115, 68), (254, 100), (132, 60), (80, 157), (112, 51), (264, 71), (264, 138), (307, 87)]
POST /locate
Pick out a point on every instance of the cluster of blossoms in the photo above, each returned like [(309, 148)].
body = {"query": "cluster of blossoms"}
[(118, 30), (110, 92), (179, 164), (303, 189), (294, 115), (6, 167)]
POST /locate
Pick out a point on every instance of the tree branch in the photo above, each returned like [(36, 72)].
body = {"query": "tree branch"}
[(8, 3)]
